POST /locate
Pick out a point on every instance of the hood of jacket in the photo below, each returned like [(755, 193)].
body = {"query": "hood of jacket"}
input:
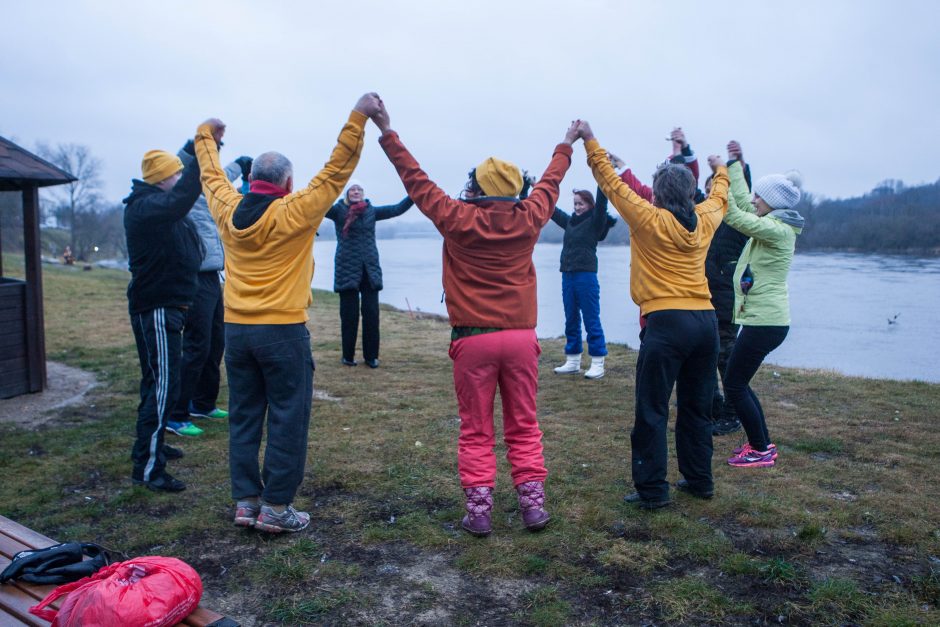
[(789, 216)]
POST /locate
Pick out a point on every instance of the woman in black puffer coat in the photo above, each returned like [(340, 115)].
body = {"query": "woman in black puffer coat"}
[(357, 269)]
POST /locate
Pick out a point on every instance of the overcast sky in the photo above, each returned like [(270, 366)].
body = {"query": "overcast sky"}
[(846, 92)]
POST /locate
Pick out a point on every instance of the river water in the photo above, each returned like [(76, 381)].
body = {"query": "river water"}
[(840, 304)]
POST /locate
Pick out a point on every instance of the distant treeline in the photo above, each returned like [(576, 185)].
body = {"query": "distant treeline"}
[(890, 219)]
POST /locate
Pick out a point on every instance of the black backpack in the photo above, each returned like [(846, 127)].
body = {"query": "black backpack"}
[(57, 564)]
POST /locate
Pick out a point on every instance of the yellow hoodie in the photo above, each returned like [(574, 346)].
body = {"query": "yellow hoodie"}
[(667, 262), (269, 265)]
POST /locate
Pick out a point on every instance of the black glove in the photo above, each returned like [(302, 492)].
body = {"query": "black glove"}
[(190, 147), (245, 164)]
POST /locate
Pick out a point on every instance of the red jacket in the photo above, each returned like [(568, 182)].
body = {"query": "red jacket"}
[(489, 278)]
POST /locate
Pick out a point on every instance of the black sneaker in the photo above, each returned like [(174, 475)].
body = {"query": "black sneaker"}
[(372, 363), (171, 452), (349, 362), (163, 483), (682, 485), (724, 427), (636, 499)]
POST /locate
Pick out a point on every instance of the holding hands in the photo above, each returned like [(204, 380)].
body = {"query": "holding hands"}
[(735, 152), (715, 162), (218, 129)]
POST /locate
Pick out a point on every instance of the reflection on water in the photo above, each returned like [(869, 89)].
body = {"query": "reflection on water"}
[(841, 304)]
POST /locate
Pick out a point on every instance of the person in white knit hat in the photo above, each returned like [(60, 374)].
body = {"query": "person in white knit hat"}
[(761, 303)]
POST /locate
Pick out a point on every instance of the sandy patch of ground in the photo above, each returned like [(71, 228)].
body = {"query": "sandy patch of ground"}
[(66, 386)]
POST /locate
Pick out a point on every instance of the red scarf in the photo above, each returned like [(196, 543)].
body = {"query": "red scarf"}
[(268, 189), (354, 212)]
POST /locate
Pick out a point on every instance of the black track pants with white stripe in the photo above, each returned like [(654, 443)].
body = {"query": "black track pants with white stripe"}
[(158, 333)]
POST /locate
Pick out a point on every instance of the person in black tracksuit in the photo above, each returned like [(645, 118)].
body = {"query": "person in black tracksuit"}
[(722, 258), (357, 270), (164, 254)]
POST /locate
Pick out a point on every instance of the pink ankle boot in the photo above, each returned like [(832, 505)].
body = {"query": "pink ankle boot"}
[(531, 502), (479, 508)]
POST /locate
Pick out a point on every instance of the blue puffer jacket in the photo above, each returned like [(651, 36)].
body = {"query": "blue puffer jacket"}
[(356, 253)]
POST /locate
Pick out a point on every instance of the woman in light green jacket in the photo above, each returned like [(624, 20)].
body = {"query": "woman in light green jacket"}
[(761, 302)]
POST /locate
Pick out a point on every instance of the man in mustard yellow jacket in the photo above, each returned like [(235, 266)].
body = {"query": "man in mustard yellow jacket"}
[(268, 239)]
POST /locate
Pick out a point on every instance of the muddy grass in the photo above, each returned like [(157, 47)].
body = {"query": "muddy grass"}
[(845, 530)]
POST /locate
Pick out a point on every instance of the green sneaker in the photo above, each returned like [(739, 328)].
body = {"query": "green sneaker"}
[(183, 428), (220, 414)]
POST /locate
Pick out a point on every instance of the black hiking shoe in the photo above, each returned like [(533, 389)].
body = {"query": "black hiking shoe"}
[(726, 426), (163, 483), (682, 485), (636, 499), (171, 452)]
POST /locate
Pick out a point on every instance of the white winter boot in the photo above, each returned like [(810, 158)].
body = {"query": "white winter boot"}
[(572, 365), (596, 371)]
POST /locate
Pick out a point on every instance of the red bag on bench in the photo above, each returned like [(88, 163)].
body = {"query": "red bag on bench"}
[(145, 591)]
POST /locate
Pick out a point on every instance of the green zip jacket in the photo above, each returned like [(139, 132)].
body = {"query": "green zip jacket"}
[(769, 253)]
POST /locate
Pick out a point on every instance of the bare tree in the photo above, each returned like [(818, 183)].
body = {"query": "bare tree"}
[(77, 197)]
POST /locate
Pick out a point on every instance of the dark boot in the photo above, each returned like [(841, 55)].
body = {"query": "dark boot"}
[(532, 502), (479, 509)]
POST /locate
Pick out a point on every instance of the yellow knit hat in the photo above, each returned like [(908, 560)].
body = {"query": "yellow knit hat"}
[(499, 178), (159, 165)]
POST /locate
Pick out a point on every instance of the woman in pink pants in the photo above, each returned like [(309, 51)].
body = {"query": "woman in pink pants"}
[(489, 282)]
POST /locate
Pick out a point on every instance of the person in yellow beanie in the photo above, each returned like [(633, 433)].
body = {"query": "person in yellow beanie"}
[(490, 283), (164, 253)]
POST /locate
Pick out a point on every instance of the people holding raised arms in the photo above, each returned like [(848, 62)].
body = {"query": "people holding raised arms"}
[(490, 286), (761, 300), (679, 341)]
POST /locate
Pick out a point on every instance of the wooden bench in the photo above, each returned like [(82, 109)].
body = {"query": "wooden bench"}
[(16, 597)]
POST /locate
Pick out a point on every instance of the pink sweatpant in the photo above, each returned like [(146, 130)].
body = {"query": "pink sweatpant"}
[(508, 358)]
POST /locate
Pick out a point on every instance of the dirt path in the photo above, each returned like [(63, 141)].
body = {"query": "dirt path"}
[(66, 386)]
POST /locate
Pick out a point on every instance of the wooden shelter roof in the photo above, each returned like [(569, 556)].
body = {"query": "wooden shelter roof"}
[(20, 169)]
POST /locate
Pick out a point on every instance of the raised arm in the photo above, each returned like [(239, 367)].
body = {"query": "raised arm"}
[(541, 202), (560, 218), (635, 210), (751, 224), (393, 211), (221, 196), (170, 206), (316, 199)]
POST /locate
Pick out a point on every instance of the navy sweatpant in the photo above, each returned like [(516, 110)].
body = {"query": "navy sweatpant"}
[(270, 372), (203, 345), (158, 333)]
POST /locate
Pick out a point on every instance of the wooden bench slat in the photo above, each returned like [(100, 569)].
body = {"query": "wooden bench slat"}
[(16, 599), (16, 603)]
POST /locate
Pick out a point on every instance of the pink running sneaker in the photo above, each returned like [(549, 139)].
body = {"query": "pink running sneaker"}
[(746, 447), (246, 513), (754, 459)]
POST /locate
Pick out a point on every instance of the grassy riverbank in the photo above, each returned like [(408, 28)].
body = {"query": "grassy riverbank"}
[(845, 529)]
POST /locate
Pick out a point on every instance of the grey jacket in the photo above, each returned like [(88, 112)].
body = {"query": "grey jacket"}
[(199, 215)]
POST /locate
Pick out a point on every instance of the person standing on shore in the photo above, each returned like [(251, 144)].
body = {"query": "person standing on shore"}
[(580, 291), (679, 341), (761, 299), (203, 333), (490, 286), (357, 273), (268, 236), (164, 253), (720, 263)]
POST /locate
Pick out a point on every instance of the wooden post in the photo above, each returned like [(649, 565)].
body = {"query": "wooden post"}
[(35, 323)]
